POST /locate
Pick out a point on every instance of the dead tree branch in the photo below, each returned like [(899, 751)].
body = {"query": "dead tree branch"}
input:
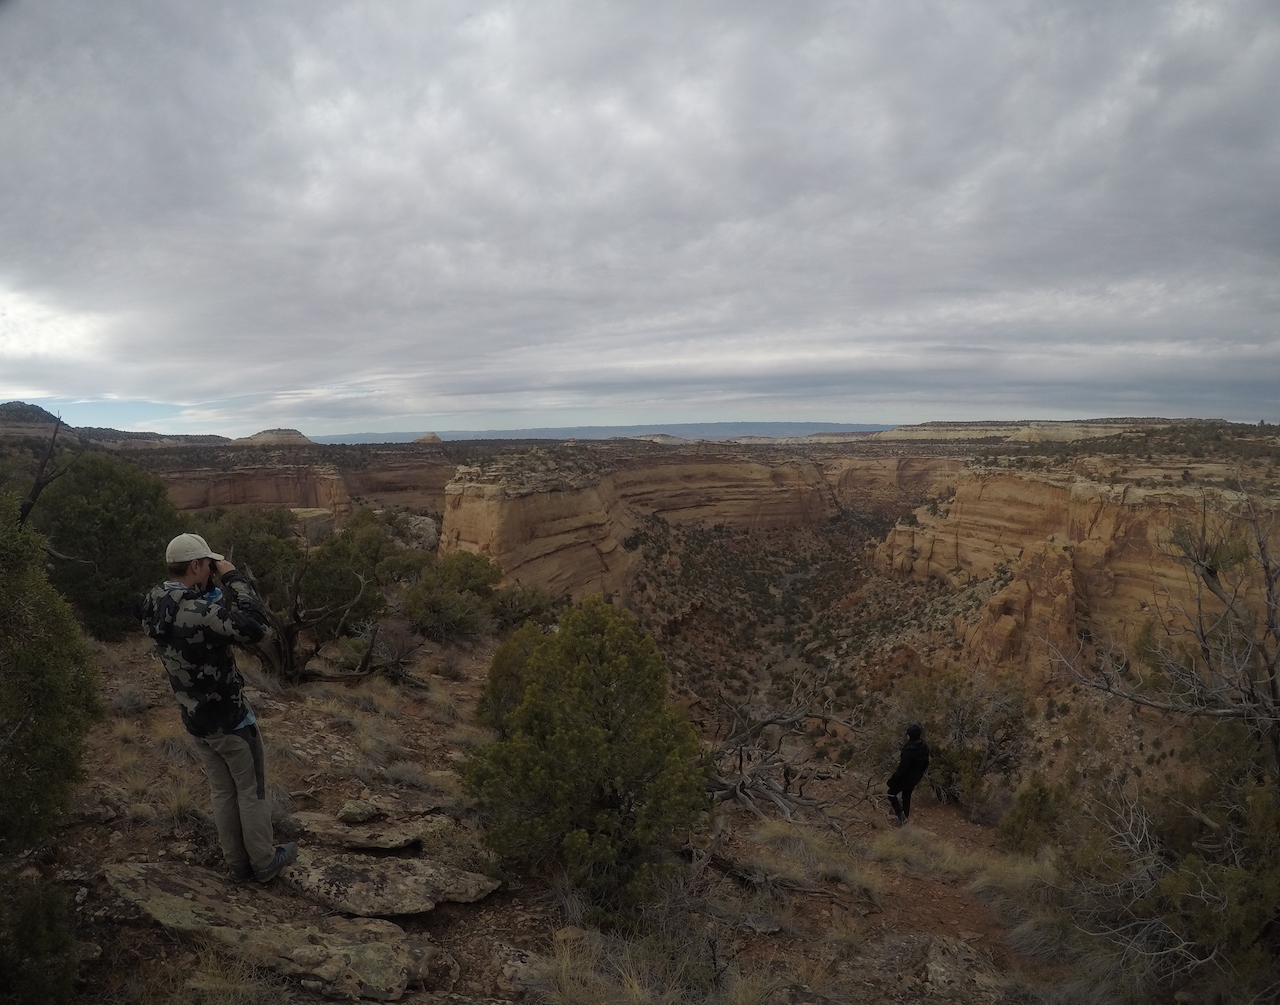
[(44, 478)]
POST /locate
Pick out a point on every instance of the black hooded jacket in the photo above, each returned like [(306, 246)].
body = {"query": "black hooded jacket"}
[(912, 764)]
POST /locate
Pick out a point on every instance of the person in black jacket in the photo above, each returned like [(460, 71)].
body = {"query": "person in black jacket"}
[(913, 762)]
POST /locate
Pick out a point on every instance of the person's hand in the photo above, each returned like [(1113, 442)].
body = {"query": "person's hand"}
[(223, 567)]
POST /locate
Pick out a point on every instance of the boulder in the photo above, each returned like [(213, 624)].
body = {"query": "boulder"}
[(374, 887), (347, 957), (357, 811), (383, 835)]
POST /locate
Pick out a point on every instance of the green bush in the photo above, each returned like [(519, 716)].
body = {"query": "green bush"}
[(976, 731), (331, 575), (504, 689), (469, 573), (1035, 817), (47, 688), (260, 541), (327, 575), (405, 567), (597, 774), (47, 700), (442, 613), (514, 605), (116, 517), (37, 949)]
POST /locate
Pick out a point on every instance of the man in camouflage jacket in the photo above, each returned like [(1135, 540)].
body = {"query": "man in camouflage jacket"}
[(194, 627)]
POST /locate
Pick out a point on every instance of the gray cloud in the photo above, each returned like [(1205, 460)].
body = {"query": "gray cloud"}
[(349, 214)]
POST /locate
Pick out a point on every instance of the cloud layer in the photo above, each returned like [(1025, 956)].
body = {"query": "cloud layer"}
[(346, 215)]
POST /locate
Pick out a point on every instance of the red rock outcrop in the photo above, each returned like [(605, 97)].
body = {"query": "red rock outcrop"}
[(561, 530), (1082, 553), (302, 486)]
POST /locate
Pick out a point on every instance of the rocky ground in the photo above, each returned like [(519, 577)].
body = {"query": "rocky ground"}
[(395, 898)]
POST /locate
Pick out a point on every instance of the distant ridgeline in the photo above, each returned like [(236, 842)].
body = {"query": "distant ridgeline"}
[(674, 430), (18, 420)]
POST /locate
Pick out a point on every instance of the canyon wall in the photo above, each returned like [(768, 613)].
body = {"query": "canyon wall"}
[(1082, 557), (306, 480), (306, 486), (562, 530), (412, 484)]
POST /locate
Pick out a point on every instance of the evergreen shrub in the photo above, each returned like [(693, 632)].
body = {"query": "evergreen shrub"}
[(47, 700), (596, 773), (117, 519), (48, 686)]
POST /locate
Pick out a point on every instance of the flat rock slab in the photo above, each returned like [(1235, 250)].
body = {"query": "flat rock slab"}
[(386, 835), (374, 887), (349, 957)]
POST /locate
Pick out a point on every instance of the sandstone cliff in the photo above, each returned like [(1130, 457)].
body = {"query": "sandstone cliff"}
[(558, 523), (1080, 555), (300, 486)]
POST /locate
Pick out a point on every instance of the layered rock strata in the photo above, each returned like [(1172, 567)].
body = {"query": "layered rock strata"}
[(559, 525), (308, 486), (1080, 556)]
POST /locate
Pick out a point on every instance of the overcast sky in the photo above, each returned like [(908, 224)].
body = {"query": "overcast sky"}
[(220, 217)]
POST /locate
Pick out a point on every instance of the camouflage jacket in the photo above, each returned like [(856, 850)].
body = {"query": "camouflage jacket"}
[(193, 635)]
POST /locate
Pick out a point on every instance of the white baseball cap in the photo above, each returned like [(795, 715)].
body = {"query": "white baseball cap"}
[(186, 547)]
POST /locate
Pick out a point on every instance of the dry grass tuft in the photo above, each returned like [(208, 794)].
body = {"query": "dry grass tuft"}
[(673, 963), (206, 977), (376, 695), (442, 707), (378, 741), (342, 714), (130, 701), (281, 800), (127, 731), (804, 856), (445, 783), (281, 751), (922, 850), (178, 799), (470, 736), (137, 779), (409, 773), (449, 842), (170, 740)]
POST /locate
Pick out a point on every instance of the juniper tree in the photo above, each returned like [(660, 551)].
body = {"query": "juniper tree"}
[(596, 774), (47, 700), (115, 520)]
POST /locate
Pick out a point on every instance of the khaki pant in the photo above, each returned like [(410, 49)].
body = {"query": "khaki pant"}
[(237, 772)]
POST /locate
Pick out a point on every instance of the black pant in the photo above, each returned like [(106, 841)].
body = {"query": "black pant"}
[(902, 810)]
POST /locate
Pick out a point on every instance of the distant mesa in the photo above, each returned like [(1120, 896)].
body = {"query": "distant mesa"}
[(428, 438), (19, 412), (19, 420), (276, 437), (661, 438), (1044, 431)]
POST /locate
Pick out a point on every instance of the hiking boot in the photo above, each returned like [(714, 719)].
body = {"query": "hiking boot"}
[(285, 854), (240, 873)]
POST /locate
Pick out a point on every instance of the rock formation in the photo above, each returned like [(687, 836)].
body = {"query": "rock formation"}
[(311, 486), (376, 887), (1079, 552), (1021, 432), (275, 437), (343, 957), (559, 524)]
